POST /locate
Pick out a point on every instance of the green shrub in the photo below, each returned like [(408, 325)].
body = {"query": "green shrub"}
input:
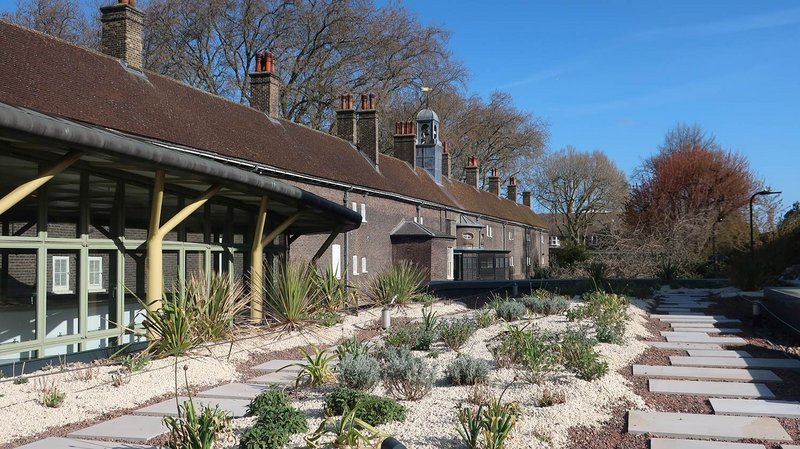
[(292, 294), (398, 285), (326, 318), (465, 370), (193, 430), (426, 299), (136, 362), (268, 400), (19, 380), (568, 255), (374, 410), (405, 376), (535, 355), (608, 312), (316, 370), (276, 421), (548, 305), (511, 310), (352, 346), (428, 330), (746, 273), (454, 333), (361, 372), (577, 354), (485, 318), (488, 426), (332, 290), (402, 336)]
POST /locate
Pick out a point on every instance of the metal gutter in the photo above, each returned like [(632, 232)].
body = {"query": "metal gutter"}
[(91, 138)]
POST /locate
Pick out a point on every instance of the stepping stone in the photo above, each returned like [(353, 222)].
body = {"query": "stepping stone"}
[(689, 425), (280, 378), (756, 407), (67, 443), (693, 316), (715, 353), (710, 389), (233, 407), (696, 337), (275, 365), (697, 324), (694, 373), (734, 362), (234, 391), (682, 346), (126, 428), (707, 330), (673, 310), (661, 316), (670, 443), (789, 446), (681, 306)]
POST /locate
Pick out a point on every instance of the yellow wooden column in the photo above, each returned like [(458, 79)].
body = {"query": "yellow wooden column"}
[(15, 196), (257, 258), (257, 264), (155, 237)]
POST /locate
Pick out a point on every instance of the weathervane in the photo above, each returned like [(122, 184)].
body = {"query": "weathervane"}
[(425, 91)]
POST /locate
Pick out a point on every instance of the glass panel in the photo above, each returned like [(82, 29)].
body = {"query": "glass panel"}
[(170, 267), (61, 315), (18, 357), (17, 295), (21, 219), (195, 263), (102, 290), (134, 285), (61, 350)]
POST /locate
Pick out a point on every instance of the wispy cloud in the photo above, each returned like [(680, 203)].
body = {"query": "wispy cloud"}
[(735, 25)]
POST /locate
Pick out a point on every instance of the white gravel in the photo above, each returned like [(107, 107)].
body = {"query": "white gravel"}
[(22, 414), (431, 421)]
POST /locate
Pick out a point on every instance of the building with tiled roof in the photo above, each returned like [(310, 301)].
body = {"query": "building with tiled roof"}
[(105, 164)]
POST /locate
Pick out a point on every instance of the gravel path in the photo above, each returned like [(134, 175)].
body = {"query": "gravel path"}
[(87, 398)]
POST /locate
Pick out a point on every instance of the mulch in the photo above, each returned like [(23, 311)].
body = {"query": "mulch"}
[(770, 339)]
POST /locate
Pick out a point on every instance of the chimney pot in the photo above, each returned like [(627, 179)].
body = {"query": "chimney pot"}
[(372, 101), (494, 183), (257, 67), (265, 86), (364, 101), (367, 129), (472, 171), (346, 120), (446, 164), (511, 193)]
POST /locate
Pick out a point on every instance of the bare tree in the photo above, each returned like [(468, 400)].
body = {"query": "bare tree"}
[(64, 19), (576, 187)]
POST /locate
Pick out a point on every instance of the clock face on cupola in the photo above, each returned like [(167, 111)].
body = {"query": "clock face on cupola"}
[(429, 148)]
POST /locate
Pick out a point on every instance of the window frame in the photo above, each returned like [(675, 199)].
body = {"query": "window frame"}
[(98, 287), (57, 287)]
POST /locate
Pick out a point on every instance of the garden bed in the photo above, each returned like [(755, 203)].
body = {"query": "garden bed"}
[(431, 422), (91, 395)]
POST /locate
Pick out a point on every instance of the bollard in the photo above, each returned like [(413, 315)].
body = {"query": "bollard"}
[(386, 318), (392, 443), (756, 313), (515, 290)]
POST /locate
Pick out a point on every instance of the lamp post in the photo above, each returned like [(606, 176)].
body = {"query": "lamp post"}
[(714, 244), (753, 197)]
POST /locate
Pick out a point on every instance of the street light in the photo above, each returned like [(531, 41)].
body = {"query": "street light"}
[(763, 192)]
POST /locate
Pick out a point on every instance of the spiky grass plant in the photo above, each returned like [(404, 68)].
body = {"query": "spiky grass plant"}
[(204, 310), (316, 370), (292, 294), (398, 285), (332, 290)]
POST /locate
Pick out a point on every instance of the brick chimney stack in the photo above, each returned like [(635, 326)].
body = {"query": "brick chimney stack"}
[(367, 127), (471, 171), (405, 140), (526, 198), (494, 182), (445, 160), (121, 34), (265, 86), (511, 193), (346, 119)]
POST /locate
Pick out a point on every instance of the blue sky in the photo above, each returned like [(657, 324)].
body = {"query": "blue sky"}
[(616, 75)]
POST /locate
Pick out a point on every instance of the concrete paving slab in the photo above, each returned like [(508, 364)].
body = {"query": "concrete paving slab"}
[(280, 378), (682, 346), (733, 362), (710, 389), (234, 391), (689, 425), (135, 428), (682, 306), (789, 446), (693, 337), (694, 373), (715, 353), (275, 365), (68, 443), (756, 407), (233, 407), (694, 316), (707, 330), (674, 443), (698, 324), (680, 314)]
